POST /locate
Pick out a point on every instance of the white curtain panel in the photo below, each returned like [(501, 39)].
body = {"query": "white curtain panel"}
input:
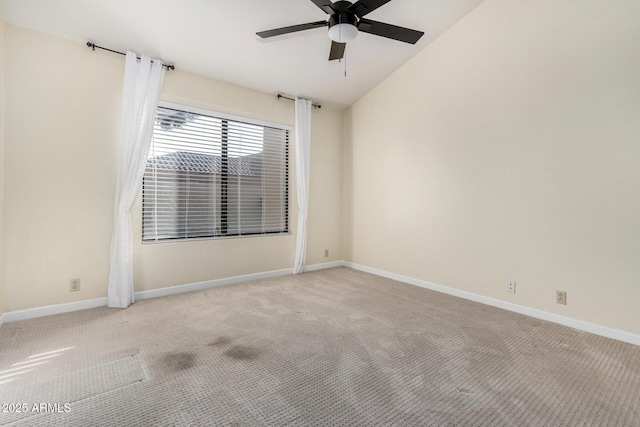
[(303, 155), (141, 92)]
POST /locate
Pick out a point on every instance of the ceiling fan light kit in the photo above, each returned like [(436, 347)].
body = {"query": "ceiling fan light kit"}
[(343, 27), (346, 20)]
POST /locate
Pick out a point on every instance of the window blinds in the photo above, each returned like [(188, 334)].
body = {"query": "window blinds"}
[(209, 177)]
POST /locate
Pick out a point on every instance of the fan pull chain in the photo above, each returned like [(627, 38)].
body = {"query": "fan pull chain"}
[(344, 60), (344, 54), (345, 64)]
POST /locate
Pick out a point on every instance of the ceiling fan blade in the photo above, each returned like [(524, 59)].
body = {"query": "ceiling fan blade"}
[(325, 5), (389, 31), (362, 7), (337, 51), (291, 29)]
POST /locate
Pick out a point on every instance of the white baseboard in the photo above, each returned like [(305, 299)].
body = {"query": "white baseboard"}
[(604, 331), (48, 310), (593, 328), (190, 287), (32, 313), (323, 266)]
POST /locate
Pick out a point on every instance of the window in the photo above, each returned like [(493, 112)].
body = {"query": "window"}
[(210, 175)]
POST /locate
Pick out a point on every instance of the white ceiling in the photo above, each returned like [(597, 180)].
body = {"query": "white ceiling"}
[(217, 39)]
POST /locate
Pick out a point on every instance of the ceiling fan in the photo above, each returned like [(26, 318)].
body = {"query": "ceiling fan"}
[(346, 19)]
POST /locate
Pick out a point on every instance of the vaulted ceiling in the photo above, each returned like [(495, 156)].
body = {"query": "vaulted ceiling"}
[(217, 39)]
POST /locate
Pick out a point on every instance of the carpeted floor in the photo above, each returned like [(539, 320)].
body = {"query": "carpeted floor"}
[(335, 347)]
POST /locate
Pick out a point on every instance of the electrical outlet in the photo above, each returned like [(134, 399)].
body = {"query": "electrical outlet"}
[(74, 285), (511, 287), (561, 297), (326, 253)]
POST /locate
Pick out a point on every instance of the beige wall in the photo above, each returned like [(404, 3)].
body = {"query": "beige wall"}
[(63, 107), (2, 127), (508, 150)]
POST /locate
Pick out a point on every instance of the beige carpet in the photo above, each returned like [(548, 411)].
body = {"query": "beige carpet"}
[(335, 347)]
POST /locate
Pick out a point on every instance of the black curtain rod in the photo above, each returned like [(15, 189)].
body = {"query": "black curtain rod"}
[(293, 99), (94, 46)]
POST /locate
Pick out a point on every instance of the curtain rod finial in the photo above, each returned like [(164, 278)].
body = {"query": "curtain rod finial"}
[(91, 45)]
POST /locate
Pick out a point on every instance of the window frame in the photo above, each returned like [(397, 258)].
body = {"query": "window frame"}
[(226, 117)]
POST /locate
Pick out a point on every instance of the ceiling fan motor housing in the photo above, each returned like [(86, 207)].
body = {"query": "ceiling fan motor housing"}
[(343, 27), (343, 24), (345, 17)]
